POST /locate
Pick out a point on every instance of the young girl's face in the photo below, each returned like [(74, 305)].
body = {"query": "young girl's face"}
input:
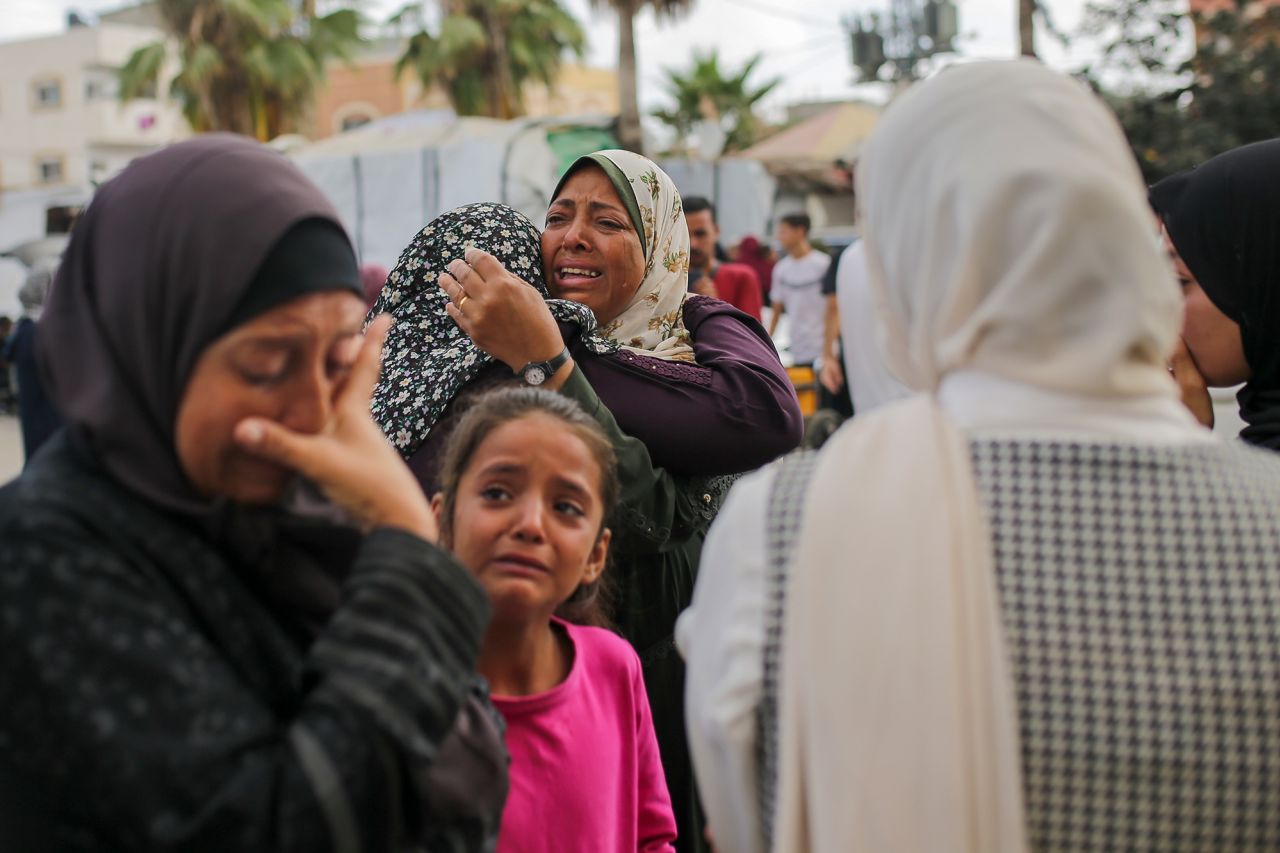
[(527, 517)]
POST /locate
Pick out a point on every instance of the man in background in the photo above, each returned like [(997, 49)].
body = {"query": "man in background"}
[(734, 283), (797, 290)]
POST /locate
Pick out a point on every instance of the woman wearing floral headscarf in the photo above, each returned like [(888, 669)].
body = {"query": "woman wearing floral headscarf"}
[(688, 388)]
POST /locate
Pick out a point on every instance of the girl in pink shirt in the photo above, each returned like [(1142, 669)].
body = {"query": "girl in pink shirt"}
[(527, 483)]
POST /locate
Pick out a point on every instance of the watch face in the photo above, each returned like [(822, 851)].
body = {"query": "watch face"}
[(535, 375)]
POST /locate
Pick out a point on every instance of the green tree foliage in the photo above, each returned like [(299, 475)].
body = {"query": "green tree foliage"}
[(1181, 110), (245, 66), (705, 92), (629, 136), (483, 52)]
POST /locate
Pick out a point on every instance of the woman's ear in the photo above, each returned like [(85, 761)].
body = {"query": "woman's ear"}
[(437, 509), (599, 557)]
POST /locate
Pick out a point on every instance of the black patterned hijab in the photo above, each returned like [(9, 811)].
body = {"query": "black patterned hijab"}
[(1224, 219), (428, 359)]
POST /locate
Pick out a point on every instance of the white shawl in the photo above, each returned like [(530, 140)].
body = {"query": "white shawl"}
[(1007, 232)]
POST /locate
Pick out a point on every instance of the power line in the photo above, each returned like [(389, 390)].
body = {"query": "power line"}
[(784, 14)]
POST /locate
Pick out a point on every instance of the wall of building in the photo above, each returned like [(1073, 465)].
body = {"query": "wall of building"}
[(367, 89), (87, 135)]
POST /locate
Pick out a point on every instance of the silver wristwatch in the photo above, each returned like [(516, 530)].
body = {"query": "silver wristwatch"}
[(537, 372)]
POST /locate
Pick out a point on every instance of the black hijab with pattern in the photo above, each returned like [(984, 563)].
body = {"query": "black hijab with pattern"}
[(428, 358), (1223, 217)]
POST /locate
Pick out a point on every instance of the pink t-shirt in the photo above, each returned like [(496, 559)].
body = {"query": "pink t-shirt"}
[(585, 771)]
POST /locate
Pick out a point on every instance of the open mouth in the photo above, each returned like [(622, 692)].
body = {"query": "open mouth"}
[(576, 275)]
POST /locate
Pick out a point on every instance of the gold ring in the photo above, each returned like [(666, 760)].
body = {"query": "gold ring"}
[(463, 301)]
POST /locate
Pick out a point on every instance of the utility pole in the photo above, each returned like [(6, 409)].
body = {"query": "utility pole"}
[(902, 37)]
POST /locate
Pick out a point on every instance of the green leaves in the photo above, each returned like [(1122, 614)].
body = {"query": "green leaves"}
[(485, 51), (706, 92), (142, 70), (1179, 110), (246, 66)]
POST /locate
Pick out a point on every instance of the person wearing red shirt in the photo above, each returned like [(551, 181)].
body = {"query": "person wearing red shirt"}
[(733, 283)]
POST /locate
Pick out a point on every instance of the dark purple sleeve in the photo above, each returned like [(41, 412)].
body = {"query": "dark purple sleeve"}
[(733, 411)]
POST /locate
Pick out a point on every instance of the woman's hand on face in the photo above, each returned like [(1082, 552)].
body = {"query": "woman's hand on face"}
[(1191, 384), (351, 461), (503, 315)]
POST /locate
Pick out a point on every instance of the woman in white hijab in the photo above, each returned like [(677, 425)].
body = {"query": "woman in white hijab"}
[(1035, 605)]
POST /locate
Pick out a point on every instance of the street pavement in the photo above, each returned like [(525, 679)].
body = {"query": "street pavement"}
[(10, 448)]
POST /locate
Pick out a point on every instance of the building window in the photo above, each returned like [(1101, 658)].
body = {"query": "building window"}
[(354, 121), (351, 115), (47, 94), (49, 169), (101, 89)]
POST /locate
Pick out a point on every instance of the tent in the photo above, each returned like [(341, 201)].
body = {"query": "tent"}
[(391, 177)]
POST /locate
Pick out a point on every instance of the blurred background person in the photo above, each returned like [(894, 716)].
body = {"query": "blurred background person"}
[(36, 412), (731, 282), (797, 290), (758, 256), (8, 397), (372, 278)]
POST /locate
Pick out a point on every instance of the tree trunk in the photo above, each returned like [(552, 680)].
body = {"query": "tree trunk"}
[(1027, 27), (504, 100), (628, 107)]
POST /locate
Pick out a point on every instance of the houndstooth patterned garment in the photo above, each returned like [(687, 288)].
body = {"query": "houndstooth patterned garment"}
[(1140, 587)]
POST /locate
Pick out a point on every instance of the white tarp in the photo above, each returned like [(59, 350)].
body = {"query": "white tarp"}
[(392, 177), (742, 191)]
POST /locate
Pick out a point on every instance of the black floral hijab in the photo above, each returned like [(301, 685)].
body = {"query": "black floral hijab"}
[(427, 358)]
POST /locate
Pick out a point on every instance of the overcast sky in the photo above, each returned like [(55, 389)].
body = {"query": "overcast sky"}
[(802, 40)]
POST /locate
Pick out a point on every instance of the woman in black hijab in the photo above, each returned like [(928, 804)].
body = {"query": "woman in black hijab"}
[(1222, 225), (202, 650)]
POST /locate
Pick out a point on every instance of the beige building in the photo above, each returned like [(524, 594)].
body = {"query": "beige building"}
[(61, 120), (367, 89)]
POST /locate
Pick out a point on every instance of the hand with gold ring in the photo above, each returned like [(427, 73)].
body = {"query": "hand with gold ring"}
[(505, 316)]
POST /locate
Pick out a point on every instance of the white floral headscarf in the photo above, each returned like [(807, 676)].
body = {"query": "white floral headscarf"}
[(653, 323)]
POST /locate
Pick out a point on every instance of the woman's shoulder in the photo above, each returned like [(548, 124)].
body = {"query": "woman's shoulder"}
[(61, 505), (699, 308)]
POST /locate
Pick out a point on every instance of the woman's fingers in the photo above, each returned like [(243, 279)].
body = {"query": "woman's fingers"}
[(459, 318), (451, 287), (1191, 384), (275, 443), (483, 264)]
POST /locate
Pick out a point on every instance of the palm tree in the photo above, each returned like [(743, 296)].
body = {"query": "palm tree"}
[(1027, 27), (483, 52), (245, 66), (629, 109), (706, 93)]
